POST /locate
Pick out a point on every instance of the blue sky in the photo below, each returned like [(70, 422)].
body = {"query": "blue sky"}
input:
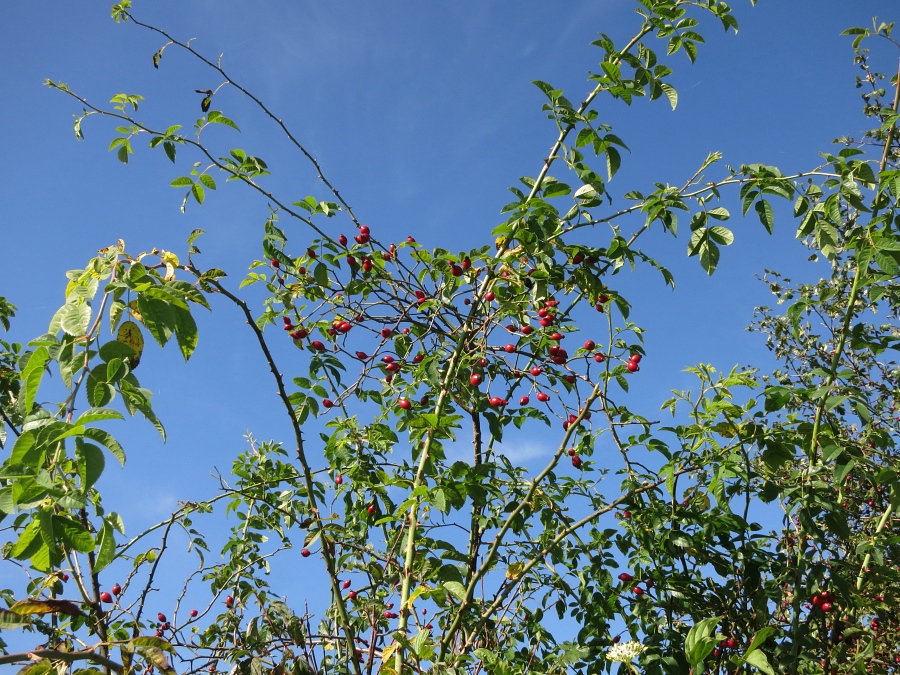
[(422, 114)]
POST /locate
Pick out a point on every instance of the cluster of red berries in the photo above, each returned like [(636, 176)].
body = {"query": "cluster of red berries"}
[(824, 600), (105, 596), (727, 643), (633, 364)]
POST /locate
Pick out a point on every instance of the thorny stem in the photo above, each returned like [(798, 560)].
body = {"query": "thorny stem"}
[(862, 262), (327, 551)]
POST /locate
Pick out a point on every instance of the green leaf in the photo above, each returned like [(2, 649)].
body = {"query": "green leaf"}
[(208, 181), (556, 190), (699, 642), (73, 534), (765, 213), (11, 620), (456, 589), (158, 317), (721, 235), (185, 331), (97, 415), (887, 263), (106, 547), (182, 181), (758, 660), (670, 93), (32, 374), (75, 317), (709, 256), (90, 463), (761, 636), (105, 439), (198, 192)]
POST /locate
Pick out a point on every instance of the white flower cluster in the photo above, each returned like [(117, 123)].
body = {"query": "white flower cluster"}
[(625, 651)]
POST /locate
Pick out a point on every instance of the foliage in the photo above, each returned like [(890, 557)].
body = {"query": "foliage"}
[(405, 350)]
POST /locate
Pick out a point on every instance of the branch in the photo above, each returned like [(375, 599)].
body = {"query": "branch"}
[(56, 655)]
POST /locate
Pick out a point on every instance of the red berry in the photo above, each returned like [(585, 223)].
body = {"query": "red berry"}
[(64, 576), (636, 357), (418, 358), (576, 461), (578, 257), (632, 367), (370, 508), (827, 606), (536, 370), (557, 337), (466, 263), (495, 401), (509, 349), (338, 480), (385, 332), (161, 617), (305, 553), (342, 240), (489, 296), (194, 613), (346, 584), (310, 254), (570, 379), (527, 330), (275, 263), (475, 379), (318, 346), (352, 595), (598, 358), (638, 590), (524, 400), (456, 270), (106, 597), (362, 356), (116, 589), (410, 239), (229, 601), (327, 403), (364, 230), (344, 326), (542, 397), (626, 514), (404, 403), (624, 576), (589, 345), (542, 312)]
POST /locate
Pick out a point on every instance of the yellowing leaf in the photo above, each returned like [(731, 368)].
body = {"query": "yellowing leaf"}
[(169, 258), (514, 571), (135, 312), (130, 335), (40, 606), (388, 651)]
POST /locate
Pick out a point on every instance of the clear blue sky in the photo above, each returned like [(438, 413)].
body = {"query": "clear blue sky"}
[(422, 114)]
